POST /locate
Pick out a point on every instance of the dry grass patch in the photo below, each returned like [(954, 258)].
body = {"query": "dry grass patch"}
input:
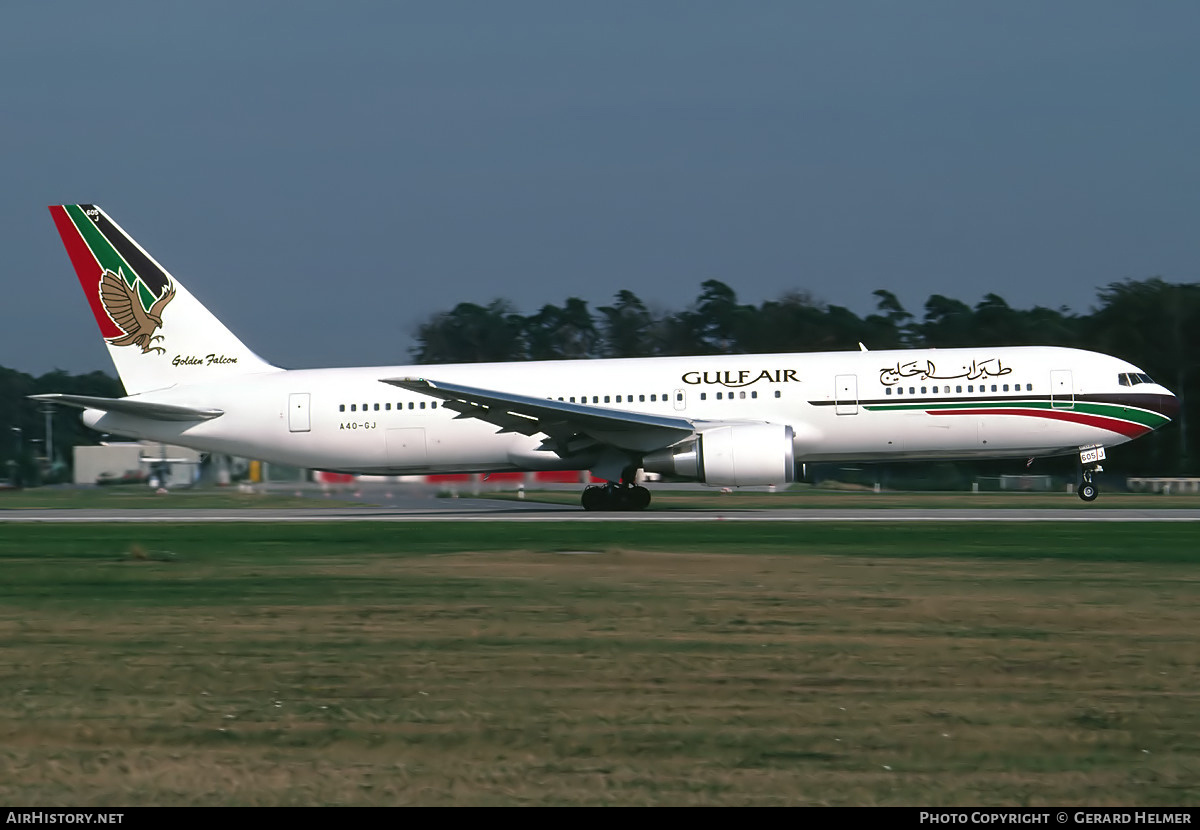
[(625, 677)]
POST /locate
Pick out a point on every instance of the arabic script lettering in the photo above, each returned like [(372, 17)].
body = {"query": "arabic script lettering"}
[(926, 370)]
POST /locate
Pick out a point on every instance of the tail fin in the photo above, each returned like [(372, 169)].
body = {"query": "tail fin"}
[(157, 333)]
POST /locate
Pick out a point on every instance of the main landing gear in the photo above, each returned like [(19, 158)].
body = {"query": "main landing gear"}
[(615, 496), (1089, 461)]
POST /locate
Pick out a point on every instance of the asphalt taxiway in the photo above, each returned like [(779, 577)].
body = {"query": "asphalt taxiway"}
[(488, 510)]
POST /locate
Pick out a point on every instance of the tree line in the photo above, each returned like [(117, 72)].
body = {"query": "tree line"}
[(23, 455), (1152, 323)]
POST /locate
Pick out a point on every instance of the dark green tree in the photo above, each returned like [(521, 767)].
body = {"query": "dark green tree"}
[(627, 327), (472, 334), (719, 318), (1156, 325), (23, 424), (948, 323), (893, 327), (561, 333)]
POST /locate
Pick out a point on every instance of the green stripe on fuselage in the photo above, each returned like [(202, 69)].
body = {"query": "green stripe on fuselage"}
[(1145, 417)]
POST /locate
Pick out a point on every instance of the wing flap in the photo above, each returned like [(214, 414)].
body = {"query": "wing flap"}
[(128, 406)]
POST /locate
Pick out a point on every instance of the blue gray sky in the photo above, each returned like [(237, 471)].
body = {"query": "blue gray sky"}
[(325, 176)]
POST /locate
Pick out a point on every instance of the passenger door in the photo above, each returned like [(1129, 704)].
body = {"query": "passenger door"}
[(846, 394), (1062, 389)]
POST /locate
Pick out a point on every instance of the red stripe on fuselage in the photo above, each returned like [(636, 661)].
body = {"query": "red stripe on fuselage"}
[(1126, 428), (86, 268)]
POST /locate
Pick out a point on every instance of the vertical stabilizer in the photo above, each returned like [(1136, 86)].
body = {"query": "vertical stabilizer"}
[(157, 333)]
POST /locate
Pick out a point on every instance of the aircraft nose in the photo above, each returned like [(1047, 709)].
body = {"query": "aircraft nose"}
[(1167, 405)]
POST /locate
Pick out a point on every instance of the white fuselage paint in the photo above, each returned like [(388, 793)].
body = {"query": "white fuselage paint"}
[(827, 399)]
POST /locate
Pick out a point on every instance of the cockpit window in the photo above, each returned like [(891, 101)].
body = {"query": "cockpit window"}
[(1133, 378)]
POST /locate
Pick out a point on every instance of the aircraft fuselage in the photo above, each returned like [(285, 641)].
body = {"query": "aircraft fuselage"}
[(841, 406)]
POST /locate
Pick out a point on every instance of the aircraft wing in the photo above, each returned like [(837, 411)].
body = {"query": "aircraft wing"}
[(570, 426), (129, 406)]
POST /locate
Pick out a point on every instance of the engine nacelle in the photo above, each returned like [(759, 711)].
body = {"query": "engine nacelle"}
[(730, 456)]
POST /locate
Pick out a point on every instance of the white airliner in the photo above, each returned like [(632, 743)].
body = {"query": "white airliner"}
[(725, 420)]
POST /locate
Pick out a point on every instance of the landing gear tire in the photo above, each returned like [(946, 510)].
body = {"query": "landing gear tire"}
[(594, 498), (639, 498), (613, 496), (1088, 492)]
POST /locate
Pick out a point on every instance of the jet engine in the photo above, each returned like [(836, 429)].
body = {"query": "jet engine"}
[(730, 456)]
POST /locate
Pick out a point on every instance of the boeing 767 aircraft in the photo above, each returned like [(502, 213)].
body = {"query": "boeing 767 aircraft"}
[(725, 420)]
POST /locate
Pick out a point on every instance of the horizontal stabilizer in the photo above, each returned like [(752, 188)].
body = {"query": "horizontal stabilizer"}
[(139, 409)]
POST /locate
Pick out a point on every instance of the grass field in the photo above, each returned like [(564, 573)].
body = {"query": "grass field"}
[(714, 664)]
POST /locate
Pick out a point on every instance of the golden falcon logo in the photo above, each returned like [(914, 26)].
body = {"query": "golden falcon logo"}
[(125, 308)]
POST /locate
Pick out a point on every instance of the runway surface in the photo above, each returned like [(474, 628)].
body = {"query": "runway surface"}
[(465, 510)]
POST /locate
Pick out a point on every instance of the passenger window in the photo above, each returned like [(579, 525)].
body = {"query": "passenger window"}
[(1006, 387), (353, 407), (912, 390), (341, 407), (606, 399), (741, 394), (422, 404), (703, 396), (433, 405), (957, 389), (899, 390), (654, 397), (993, 387), (718, 396), (887, 391), (923, 390), (641, 398), (595, 399), (618, 398), (376, 407), (387, 407), (572, 399), (678, 397), (778, 393), (754, 394), (411, 405)]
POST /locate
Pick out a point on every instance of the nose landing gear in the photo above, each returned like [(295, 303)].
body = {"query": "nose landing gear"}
[(1089, 462)]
